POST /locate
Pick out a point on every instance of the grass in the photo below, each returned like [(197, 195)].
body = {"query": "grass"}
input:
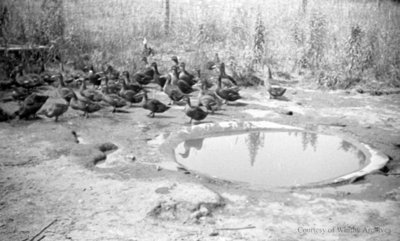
[(319, 44)]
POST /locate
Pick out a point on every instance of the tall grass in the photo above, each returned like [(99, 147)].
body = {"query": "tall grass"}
[(335, 43)]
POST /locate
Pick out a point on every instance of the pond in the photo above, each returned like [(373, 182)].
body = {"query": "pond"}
[(271, 158)]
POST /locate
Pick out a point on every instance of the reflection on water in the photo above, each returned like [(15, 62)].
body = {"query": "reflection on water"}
[(189, 144), (308, 139), (254, 141), (348, 147), (271, 158)]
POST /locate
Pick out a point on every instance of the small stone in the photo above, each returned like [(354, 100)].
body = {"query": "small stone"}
[(162, 190), (288, 112), (131, 158), (214, 233), (211, 221)]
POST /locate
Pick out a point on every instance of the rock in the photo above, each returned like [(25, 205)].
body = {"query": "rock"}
[(287, 112), (131, 158), (108, 146), (162, 190), (186, 202), (214, 233), (393, 195)]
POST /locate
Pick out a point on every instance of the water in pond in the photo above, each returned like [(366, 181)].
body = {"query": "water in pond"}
[(271, 158)]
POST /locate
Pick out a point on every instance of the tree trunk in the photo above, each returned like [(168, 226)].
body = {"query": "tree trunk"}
[(304, 6), (167, 15)]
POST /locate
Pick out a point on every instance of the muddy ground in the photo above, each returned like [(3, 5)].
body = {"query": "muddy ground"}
[(51, 189)]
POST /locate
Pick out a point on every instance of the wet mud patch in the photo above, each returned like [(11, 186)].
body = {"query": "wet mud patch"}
[(90, 155)]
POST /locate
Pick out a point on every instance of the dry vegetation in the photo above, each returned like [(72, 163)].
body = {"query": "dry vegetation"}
[(335, 43)]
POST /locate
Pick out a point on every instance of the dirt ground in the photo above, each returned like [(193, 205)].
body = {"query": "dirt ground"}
[(51, 189)]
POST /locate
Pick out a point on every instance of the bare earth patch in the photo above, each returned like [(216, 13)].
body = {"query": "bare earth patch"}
[(105, 182)]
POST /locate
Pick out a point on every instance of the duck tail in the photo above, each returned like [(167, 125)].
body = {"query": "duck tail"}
[(42, 112)]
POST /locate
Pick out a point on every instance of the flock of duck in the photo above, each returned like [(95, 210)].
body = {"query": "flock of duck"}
[(112, 88)]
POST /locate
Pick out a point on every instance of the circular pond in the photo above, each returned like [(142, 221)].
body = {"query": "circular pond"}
[(270, 157)]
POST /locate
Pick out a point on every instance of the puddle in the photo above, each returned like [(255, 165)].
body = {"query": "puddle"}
[(265, 158), (265, 154)]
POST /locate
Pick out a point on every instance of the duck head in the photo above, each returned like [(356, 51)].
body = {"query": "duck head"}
[(175, 59), (125, 74), (174, 70), (154, 67), (182, 66)]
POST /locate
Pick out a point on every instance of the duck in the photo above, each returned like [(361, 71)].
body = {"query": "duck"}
[(194, 112), (54, 110), (19, 93), (148, 70), (113, 86), (4, 116), (46, 75), (186, 76), (130, 85), (90, 94), (227, 94), (28, 81), (204, 83), (181, 84), (154, 105), (157, 78), (274, 91), (31, 105), (173, 92), (212, 64), (142, 78), (209, 100), (83, 105), (111, 72), (70, 79), (94, 78), (130, 95), (112, 99), (64, 92), (147, 51), (176, 62), (224, 75)]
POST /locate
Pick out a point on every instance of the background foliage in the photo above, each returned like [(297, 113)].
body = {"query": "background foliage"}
[(332, 43)]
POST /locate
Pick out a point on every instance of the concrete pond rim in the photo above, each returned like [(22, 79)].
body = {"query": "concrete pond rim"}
[(376, 160)]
